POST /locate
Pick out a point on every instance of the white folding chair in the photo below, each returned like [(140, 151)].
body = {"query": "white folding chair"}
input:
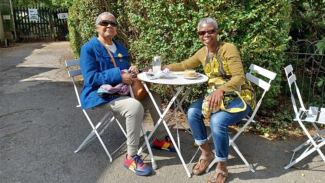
[(313, 115), (101, 126), (263, 84)]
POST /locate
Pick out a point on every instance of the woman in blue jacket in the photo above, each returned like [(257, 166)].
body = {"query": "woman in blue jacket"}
[(98, 69)]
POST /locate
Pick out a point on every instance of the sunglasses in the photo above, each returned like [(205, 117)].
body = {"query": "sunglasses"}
[(108, 22), (202, 33)]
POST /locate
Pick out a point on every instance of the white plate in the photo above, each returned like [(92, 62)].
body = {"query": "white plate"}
[(197, 75)]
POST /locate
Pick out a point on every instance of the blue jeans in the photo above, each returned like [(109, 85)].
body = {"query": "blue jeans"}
[(219, 123)]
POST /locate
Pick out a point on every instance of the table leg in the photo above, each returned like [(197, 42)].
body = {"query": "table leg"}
[(179, 106), (161, 119)]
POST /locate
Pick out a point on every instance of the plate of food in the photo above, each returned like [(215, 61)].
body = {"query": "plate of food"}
[(191, 74)]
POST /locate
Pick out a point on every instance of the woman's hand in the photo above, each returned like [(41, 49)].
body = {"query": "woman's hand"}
[(134, 69), (127, 78), (146, 69), (166, 67), (215, 98)]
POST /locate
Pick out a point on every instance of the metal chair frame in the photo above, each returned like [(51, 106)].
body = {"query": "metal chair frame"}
[(313, 115), (265, 85), (98, 129)]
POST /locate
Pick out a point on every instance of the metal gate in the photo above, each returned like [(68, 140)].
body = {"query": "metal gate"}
[(309, 67), (40, 24)]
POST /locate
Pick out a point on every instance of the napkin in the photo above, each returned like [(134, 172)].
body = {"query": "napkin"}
[(158, 74)]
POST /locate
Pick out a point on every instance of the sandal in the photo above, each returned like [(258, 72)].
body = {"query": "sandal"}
[(197, 169), (213, 178)]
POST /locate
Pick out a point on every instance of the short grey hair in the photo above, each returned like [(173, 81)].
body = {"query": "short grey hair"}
[(104, 13), (208, 20)]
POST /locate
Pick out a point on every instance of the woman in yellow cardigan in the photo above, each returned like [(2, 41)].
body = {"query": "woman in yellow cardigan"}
[(223, 65)]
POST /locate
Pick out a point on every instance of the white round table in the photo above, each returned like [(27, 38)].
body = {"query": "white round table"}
[(173, 79)]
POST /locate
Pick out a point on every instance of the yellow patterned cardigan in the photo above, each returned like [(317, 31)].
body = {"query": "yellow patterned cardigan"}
[(226, 65)]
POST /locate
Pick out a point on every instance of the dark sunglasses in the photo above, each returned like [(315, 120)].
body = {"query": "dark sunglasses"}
[(108, 22), (202, 33)]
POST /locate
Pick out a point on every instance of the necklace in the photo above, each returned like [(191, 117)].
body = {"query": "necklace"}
[(211, 55)]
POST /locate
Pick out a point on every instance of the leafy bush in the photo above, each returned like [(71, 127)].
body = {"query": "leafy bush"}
[(168, 28), (41, 3), (309, 19), (260, 30)]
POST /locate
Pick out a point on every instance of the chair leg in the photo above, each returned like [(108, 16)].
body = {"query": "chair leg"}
[(302, 156), (87, 140), (232, 143), (153, 162), (94, 132), (306, 153), (92, 136), (197, 150), (101, 141), (239, 153), (211, 165), (308, 142)]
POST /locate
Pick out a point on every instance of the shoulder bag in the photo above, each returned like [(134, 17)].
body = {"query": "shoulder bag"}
[(137, 87)]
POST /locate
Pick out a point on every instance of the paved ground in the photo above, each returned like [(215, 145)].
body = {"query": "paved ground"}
[(40, 128)]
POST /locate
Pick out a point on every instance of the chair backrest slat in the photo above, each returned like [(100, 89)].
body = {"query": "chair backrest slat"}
[(259, 82), (72, 73), (264, 72), (288, 69), (265, 85), (72, 62), (291, 77)]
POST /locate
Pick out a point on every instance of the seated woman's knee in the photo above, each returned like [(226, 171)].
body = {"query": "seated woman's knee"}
[(194, 113), (218, 123), (135, 107)]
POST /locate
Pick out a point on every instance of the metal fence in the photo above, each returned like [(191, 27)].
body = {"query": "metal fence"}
[(47, 26), (309, 67)]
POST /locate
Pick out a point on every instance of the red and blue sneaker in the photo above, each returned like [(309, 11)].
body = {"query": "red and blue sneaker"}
[(165, 144), (137, 166)]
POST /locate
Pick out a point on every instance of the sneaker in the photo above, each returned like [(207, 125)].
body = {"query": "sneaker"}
[(137, 166), (166, 144)]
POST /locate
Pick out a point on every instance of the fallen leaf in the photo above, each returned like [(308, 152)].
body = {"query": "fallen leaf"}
[(296, 167)]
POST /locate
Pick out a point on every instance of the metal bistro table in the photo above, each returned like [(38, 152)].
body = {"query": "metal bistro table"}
[(173, 79)]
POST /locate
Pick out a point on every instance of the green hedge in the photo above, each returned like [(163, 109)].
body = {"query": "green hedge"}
[(168, 28), (260, 30)]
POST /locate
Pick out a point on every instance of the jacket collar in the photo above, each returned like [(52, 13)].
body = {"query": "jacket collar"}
[(121, 51)]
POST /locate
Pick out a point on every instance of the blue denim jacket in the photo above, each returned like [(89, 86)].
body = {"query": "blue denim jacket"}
[(97, 69)]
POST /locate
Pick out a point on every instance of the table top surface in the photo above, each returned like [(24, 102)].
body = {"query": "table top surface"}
[(175, 78)]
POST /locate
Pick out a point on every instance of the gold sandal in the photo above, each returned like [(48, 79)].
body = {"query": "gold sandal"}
[(213, 178), (197, 169)]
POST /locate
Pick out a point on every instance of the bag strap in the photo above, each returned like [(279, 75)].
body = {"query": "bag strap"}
[(109, 52), (234, 110)]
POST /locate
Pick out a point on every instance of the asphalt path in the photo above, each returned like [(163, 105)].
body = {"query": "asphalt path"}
[(40, 128)]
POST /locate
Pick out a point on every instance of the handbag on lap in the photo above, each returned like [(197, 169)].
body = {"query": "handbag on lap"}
[(137, 87)]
